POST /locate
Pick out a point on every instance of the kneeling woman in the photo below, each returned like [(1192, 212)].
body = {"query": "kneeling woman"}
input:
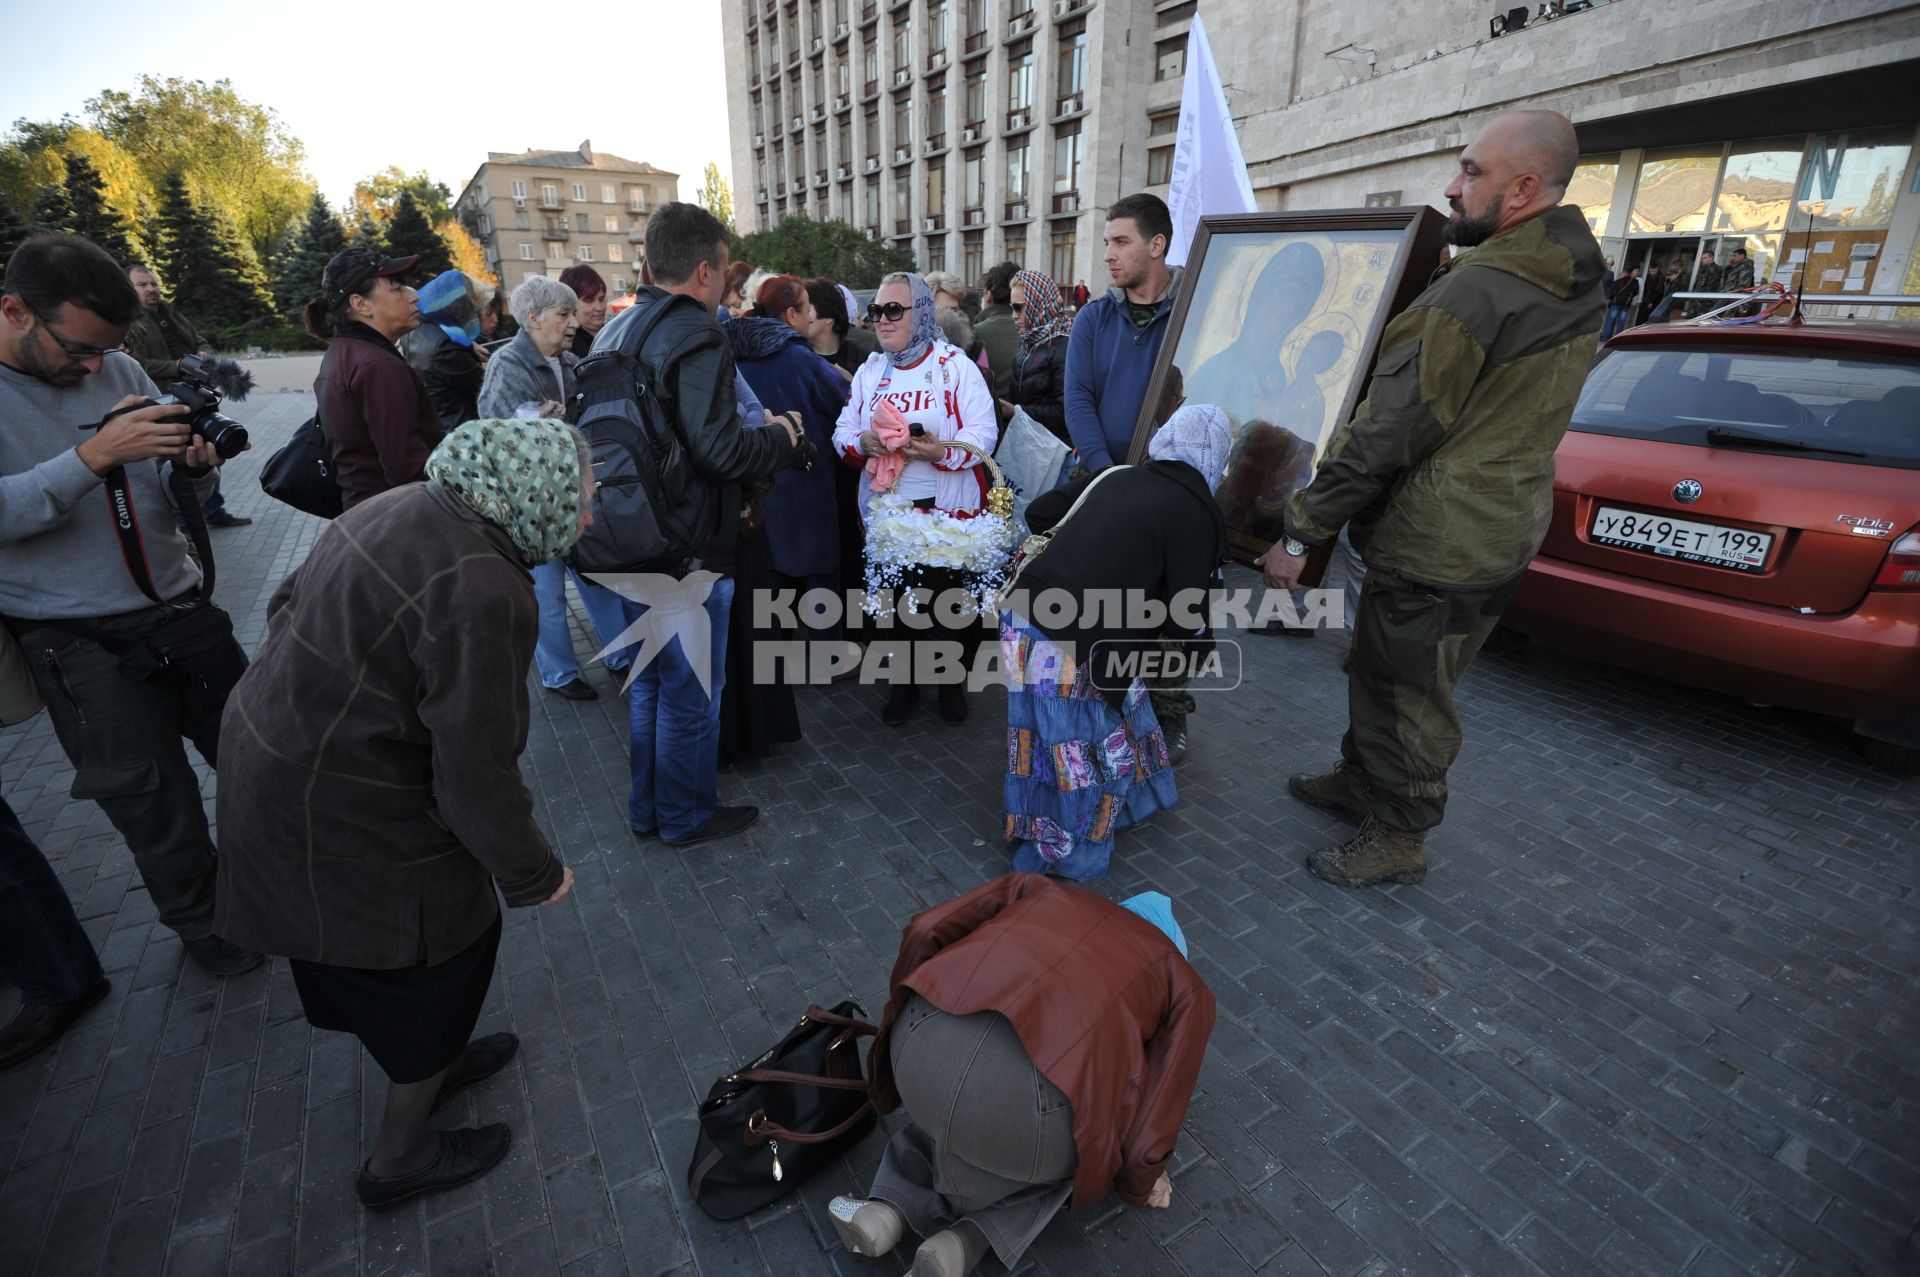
[(1045, 1043), (941, 393), (1085, 754), (371, 795)]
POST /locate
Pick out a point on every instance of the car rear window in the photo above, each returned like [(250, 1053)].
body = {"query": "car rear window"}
[(1863, 411)]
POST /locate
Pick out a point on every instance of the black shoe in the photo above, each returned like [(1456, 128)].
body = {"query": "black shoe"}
[(220, 958), (644, 833), (900, 703), (1274, 629), (35, 1027), (228, 521), (1174, 728), (575, 689), (724, 823), (483, 1058), (465, 1155), (953, 703)]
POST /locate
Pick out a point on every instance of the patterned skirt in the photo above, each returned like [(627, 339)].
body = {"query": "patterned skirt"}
[(1076, 769)]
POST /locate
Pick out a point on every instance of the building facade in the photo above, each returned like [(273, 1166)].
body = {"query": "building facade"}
[(539, 212), (968, 131)]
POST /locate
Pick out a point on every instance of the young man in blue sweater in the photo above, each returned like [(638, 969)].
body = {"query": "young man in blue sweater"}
[(1117, 337)]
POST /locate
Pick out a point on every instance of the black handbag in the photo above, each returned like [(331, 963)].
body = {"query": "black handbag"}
[(772, 1126), (301, 473)]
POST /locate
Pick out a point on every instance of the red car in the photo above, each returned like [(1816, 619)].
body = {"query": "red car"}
[(1737, 507)]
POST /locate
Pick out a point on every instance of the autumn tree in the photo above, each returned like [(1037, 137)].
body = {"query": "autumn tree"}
[(716, 196)]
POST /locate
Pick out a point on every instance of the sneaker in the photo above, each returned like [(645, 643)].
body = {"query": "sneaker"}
[(1339, 791), (483, 1058), (37, 1026), (1375, 855), (228, 521), (724, 823), (1174, 728), (465, 1155), (900, 703), (575, 689), (952, 1252), (870, 1229), (953, 703), (220, 957)]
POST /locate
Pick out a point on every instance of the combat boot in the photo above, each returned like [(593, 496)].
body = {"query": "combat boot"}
[(1340, 790), (1374, 855)]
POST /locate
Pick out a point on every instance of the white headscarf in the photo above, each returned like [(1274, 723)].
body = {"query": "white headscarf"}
[(1199, 435)]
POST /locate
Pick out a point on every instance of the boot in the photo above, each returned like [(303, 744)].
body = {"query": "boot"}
[(871, 1229), (953, 703), (1374, 855), (1340, 790), (953, 1252)]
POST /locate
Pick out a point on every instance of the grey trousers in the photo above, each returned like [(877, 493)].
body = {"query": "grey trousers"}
[(989, 1140), (124, 740)]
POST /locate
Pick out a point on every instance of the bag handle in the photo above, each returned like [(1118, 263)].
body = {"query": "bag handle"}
[(758, 1128), (799, 1079), (817, 1012), (1036, 542)]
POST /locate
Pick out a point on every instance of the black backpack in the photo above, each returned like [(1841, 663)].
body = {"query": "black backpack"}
[(640, 507)]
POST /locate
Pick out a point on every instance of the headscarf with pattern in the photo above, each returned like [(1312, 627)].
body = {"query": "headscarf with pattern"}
[(447, 301), (926, 328), (1199, 435), (1046, 312), (521, 476)]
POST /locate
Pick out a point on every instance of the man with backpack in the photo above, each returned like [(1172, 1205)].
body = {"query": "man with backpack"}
[(657, 405)]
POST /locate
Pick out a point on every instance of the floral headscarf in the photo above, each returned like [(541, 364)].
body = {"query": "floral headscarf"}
[(1046, 312), (447, 300), (925, 331), (521, 476), (1199, 435)]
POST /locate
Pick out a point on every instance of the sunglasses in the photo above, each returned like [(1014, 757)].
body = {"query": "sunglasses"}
[(892, 312)]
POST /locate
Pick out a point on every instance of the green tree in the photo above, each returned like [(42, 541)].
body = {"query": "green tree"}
[(93, 217), (297, 280), (409, 233), (382, 191), (216, 279), (716, 196), (51, 210), (12, 230), (845, 254)]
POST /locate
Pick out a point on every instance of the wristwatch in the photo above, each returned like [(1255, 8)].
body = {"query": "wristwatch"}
[(1297, 549)]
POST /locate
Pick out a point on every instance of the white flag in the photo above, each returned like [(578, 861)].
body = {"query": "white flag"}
[(1208, 174)]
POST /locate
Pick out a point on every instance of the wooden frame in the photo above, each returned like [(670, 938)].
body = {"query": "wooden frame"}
[(1325, 285)]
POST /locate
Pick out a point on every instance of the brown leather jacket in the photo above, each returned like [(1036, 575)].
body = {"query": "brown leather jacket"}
[(1106, 1007)]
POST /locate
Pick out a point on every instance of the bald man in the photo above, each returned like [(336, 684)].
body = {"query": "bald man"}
[(1444, 477)]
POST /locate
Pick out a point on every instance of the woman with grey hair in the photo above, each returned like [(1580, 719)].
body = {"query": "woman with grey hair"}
[(949, 291), (532, 376)]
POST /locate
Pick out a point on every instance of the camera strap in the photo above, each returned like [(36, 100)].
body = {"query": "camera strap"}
[(133, 548)]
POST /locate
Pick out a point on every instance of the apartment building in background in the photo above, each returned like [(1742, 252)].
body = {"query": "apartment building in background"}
[(971, 131), (539, 212)]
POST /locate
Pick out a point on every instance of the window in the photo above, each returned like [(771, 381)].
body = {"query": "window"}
[(870, 133), (973, 178), (903, 43), (1755, 191), (1673, 192), (519, 190), (843, 140), (976, 99), (903, 120), (1066, 159), (1061, 261), (553, 251), (936, 114), (843, 77), (522, 220), (1170, 59), (873, 205), (903, 195), (585, 252), (936, 187), (973, 254), (1016, 250), (1020, 77), (580, 222), (1019, 8), (613, 252), (607, 195), (612, 222), (1163, 125), (937, 253), (1852, 180), (618, 284), (846, 203), (870, 65), (976, 20), (1018, 165), (936, 27), (526, 252), (1159, 166), (1070, 68), (1592, 190), (579, 192)]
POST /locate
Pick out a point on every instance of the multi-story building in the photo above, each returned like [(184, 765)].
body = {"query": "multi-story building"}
[(538, 212), (968, 131)]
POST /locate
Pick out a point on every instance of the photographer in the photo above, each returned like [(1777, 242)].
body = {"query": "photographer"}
[(158, 339), (95, 581)]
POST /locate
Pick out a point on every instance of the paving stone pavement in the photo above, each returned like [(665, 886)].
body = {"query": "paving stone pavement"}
[(1653, 1011)]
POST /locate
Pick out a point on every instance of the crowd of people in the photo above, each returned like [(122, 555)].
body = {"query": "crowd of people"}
[(372, 812)]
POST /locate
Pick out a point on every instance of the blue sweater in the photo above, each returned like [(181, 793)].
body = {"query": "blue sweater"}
[(802, 518), (1109, 363)]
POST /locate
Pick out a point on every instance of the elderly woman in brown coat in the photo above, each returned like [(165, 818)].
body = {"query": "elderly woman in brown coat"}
[(1044, 1042), (373, 799)]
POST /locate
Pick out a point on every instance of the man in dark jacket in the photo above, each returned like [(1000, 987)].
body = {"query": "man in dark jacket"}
[(994, 325), (689, 366), (158, 339), (1446, 471)]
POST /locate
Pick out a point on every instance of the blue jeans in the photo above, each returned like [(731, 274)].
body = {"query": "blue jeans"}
[(675, 751), (1616, 321), (42, 948), (554, 651)]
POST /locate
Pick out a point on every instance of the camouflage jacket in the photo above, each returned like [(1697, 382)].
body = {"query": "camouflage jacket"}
[(1446, 469)]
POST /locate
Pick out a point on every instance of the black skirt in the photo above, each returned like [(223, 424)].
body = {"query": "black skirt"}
[(414, 1021)]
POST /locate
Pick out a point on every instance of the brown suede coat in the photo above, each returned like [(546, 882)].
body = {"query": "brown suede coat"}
[(370, 788), (1106, 1007)]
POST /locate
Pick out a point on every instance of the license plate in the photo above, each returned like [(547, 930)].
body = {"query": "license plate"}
[(1684, 539)]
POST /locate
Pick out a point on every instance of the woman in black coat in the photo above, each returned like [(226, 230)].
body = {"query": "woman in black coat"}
[(1040, 366)]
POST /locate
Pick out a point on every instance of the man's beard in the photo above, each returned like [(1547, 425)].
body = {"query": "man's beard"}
[(1465, 232)]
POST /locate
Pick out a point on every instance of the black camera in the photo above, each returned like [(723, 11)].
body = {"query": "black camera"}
[(195, 390)]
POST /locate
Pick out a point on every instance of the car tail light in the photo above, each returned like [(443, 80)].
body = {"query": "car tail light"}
[(1902, 569)]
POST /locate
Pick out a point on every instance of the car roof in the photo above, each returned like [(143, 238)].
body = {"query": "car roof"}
[(1826, 336)]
